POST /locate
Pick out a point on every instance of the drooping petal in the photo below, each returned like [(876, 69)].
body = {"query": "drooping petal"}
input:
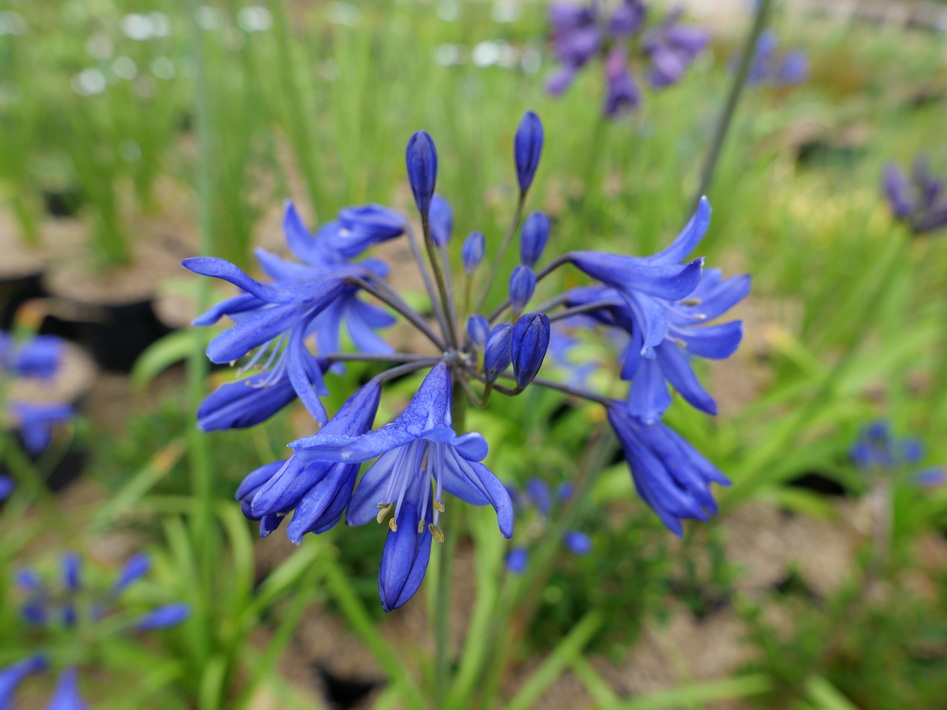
[(245, 403), (713, 341), (406, 554), (688, 239), (648, 397), (676, 367), (223, 269)]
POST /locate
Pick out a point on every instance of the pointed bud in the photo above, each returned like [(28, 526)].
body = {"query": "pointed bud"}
[(522, 286), (533, 238), (530, 342), (472, 252), (442, 220), (498, 351), (421, 159), (478, 328), (527, 147)]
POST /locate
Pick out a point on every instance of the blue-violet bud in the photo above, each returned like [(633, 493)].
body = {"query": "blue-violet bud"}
[(533, 238), (473, 251), (516, 560), (527, 147), (522, 285), (421, 159), (530, 342), (441, 220), (498, 351), (578, 542), (478, 328)]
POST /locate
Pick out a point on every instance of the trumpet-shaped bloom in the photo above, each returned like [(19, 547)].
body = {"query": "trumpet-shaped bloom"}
[(669, 474), (316, 491), (419, 457)]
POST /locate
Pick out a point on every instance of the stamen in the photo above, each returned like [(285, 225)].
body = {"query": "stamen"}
[(384, 509), (393, 525), (420, 526), (691, 302), (439, 506), (436, 532)]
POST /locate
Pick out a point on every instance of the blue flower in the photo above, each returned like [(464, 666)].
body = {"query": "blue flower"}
[(672, 47), (162, 617), (421, 159), (442, 220), (530, 342), (38, 357), (498, 351), (316, 490), (767, 66), (522, 287), (669, 474), (920, 202), (416, 452), (516, 560), (37, 421), (878, 449), (533, 238), (473, 251), (578, 542), (245, 403)]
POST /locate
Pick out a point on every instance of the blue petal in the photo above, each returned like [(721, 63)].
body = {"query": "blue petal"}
[(629, 275), (648, 398), (363, 508), (676, 367), (280, 269), (361, 318), (688, 239), (245, 403), (287, 486), (322, 506), (163, 616), (304, 375), (66, 696), (223, 269), (257, 478), (134, 569), (253, 331), (406, 554), (13, 675), (228, 307)]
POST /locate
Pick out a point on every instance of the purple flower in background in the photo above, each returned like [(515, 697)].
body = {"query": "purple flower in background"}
[(771, 67), (877, 448), (6, 486), (38, 357), (621, 39), (919, 200), (13, 675), (37, 421)]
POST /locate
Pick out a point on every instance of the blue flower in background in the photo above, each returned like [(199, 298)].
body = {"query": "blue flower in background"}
[(878, 449), (37, 421), (63, 605), (6, 486), (919, 201), (39, 357), (771, 67), (581, 34)]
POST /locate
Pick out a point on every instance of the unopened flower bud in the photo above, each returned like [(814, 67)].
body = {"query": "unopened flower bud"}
[(498, 351), (478, 328), (441, 220), (522, 286), (533, 238), (421, 159), (527, 147), (530, 342), (472, 252)]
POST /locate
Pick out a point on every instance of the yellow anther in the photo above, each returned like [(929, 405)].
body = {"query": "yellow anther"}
[(436, 532), (691, 302), (420, 526), (384, 509), (393, 525), (439, 506)]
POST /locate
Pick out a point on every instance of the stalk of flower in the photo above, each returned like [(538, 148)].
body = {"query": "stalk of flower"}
[(658, 304)]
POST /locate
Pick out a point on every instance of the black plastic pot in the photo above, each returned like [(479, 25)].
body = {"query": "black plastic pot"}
[(116, 334), (14, 291)]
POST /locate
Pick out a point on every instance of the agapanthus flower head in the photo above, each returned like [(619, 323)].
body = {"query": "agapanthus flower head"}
[(36, 422), (655, 309), (775, 68), (878, 449), (919, 200), (622, 40), (39, 356)]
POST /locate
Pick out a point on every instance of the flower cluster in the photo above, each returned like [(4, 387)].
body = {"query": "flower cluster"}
[(71, 606), (537, 496), (878, 450), (919, 200), (38, 358), (775, 68), (658, 307), (621, 38)]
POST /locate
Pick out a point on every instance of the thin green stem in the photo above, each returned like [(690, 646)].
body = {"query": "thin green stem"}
[(426, 278), (386, 295), (733, 98), (498, 258), (445, 299), (540, 275)]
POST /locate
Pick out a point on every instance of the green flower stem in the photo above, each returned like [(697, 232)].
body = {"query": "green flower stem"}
[(439, 277), (733, 98), (498, 258)]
